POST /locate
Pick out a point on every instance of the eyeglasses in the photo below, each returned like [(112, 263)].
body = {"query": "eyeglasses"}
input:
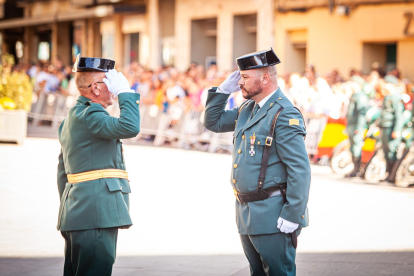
[(91, 84)]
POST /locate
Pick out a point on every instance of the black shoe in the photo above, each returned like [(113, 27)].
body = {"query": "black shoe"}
[(357, 165)]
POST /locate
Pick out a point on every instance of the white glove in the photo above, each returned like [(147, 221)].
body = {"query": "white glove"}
[(231, 84), (286, 226), (116, 82)]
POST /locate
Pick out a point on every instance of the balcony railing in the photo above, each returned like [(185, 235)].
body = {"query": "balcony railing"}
[(304, 5)]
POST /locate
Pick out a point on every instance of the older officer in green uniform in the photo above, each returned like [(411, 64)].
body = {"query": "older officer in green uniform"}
[(92, 181), (356, 122), (391, 122), (270, 171)]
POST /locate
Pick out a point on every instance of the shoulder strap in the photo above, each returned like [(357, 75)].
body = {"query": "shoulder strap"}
[(304, 122), (240, 109), (266, 151)]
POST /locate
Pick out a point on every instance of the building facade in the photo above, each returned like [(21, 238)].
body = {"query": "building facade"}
[(330, 34), (345, 35)]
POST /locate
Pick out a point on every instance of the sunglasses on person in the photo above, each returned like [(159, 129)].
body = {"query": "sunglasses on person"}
[(91, 84)]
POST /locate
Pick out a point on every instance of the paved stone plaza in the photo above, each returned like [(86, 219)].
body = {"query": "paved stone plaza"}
[(182, 207)]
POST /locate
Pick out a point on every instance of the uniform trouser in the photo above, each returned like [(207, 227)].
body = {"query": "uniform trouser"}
[(90, 252), (270, 254), (389, 145), (356, 140)]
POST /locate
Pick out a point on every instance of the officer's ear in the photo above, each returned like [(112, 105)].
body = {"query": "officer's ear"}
[(95, 89), (265, 78)]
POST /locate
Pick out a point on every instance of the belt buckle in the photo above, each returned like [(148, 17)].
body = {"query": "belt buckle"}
[(236, 193), (269, 141), (264, 194)]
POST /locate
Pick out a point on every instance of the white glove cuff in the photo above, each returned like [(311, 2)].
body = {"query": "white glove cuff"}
[(223, 92)]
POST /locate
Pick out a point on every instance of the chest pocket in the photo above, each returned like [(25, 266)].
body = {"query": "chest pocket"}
[(258, 148)]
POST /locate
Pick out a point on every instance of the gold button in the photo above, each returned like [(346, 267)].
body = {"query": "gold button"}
[(258, 142), (239, 151), (303, 216), (235, 166), (137, 102), (271, 104), (280, 98), (243, 137), (234, 181)]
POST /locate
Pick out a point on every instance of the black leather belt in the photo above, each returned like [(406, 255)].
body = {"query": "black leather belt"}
[(261, 194)]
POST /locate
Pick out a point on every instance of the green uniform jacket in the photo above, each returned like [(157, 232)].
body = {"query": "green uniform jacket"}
[(357, 108), (288, 161), (89, 138), (392, 113)]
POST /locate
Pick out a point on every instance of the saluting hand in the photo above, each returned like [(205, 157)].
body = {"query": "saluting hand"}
[(286, 226), (231, 84), (117, 82)]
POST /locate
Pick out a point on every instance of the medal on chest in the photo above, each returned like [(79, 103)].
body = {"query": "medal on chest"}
[(252, 140)]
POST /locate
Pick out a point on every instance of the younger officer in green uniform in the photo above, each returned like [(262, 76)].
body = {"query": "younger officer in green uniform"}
[(267, 222), (356, 122), (92, 181), (391, 124)]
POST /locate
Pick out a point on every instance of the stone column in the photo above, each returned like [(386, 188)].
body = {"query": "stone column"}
[(225, 41), (61, 42), (154, 34), (118, 42), (90, 38), (64, 46), (265, 22), (30, 45), (54, 46), (3, 44)]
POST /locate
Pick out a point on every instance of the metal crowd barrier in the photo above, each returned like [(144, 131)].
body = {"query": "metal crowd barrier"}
[(180, 127), (50, 108), (315, 126)]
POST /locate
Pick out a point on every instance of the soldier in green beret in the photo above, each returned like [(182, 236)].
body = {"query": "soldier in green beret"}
[(92, 181), (356, 122), (270, 171)]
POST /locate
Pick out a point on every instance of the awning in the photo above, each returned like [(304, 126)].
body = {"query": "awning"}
[(100, 11)]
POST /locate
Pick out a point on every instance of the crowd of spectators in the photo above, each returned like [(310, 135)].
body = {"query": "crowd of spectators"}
[(320, 95)]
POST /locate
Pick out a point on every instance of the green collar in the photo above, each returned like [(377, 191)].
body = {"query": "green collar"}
[(83, 100)]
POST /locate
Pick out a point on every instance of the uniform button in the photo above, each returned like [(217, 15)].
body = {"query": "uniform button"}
[(239, 151), (235, 166), (137, 101), (121, 187), (258, 142), (234, 181), (271, 104), (280, 98), (303, 216), (243, 137)]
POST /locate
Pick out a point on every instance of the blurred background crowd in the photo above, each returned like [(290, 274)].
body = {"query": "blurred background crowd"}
[(320, 94)]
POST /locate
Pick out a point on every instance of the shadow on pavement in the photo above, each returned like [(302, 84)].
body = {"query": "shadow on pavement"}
[(312, 264)]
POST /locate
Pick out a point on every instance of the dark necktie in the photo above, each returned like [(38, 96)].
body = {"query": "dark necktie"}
[(255, 109)]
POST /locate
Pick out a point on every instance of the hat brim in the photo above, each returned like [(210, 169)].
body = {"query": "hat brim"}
[(88, 64), (257, 60)]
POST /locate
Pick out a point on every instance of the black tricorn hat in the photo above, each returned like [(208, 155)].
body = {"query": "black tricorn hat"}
[(257, 60), (91, 64)]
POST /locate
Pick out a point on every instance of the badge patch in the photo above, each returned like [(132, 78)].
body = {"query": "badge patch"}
[(293, 122)]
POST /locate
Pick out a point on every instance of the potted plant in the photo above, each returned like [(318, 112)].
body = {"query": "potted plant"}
[(15, 100)]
